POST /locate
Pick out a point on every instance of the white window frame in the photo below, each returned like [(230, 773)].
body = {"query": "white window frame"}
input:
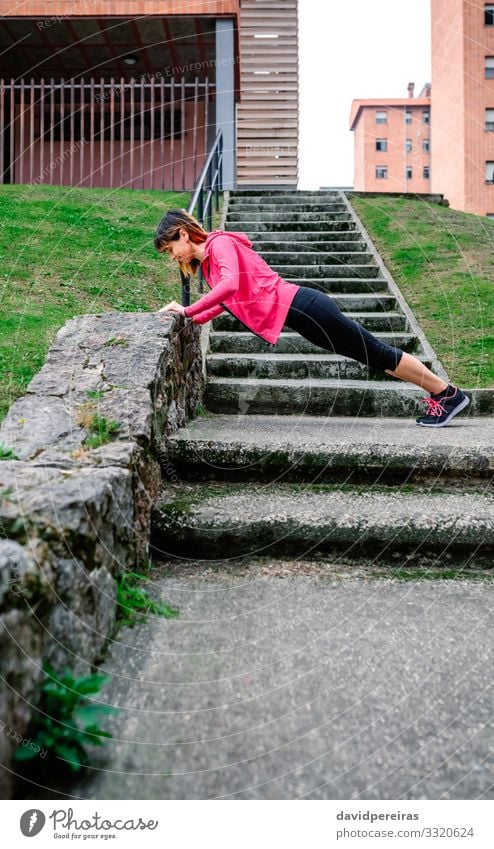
[(426, 116), (381, 168), (489, 120), (382, 149), (489, 10), (409, 173), (408, 145), (489, 171), (489, 67), (408, 116), (381, 116), (428, 175), (426, 145)]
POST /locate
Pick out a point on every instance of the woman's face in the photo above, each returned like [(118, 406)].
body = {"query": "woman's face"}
[(181, 249)]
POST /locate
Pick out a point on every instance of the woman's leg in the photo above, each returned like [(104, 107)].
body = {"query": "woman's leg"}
[(318, 318), (411, 369)]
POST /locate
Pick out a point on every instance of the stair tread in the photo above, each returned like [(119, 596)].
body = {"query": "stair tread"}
[(386, 436), (286, 358), (330, 383), (286, 334), (242, 509)]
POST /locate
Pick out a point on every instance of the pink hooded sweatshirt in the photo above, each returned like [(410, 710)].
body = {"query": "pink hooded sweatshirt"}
[(242, 283)]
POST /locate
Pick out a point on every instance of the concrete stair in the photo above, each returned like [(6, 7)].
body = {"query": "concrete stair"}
[(302, 451), (288, 519), (305, 486)]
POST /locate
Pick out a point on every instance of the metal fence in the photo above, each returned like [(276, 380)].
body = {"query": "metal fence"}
[(142, 133)]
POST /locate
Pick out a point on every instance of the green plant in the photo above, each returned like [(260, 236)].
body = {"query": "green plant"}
[(102, 431), (65, 722), (134, 602), (116, 340), (7, 453), (95, 393)]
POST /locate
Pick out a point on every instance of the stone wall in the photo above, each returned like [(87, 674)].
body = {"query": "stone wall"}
[(73, 518)]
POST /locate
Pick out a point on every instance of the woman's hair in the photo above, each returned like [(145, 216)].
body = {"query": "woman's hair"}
[(168, 230)]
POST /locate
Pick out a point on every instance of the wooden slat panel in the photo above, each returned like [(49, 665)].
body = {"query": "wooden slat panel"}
[(267, 115)]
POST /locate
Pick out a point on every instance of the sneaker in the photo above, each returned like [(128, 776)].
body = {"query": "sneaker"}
[(443, 406)]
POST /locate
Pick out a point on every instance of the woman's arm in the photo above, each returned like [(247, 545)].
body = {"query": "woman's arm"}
[(225, 256), (207, 315)]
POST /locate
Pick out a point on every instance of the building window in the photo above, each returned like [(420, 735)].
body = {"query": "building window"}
[(382, 144), (408, 145), (408, 173), (426, 116), (489, 120), (490, 215), (489, 14), (426, 172), (489, 67), (408, 116), (426, 145), (489, 172), (381, 117), (381, 172)]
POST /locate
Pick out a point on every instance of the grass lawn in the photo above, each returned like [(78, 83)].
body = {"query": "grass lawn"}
[(443, 262), (66, 252)]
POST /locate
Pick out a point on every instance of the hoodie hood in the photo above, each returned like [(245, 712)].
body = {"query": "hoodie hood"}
[(241, 238)]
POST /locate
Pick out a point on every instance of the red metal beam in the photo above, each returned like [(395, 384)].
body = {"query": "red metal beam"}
[(110, 46), (170, 42)]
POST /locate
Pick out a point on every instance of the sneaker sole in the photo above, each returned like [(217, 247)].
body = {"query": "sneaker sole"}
[(453, 413)]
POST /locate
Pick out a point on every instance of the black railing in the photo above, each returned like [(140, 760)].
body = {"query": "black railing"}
[(209, 185)]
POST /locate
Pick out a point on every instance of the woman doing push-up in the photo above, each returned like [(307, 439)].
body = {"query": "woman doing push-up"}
[(243, 284)]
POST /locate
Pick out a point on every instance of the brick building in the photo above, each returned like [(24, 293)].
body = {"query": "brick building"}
[(392, 143), (463, 103), (460, 158)]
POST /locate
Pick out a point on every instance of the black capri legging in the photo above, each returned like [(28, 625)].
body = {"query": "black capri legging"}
[(318, 318)]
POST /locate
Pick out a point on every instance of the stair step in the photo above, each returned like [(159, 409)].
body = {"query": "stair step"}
[(237, 201), (309, 448), (378, 321), (309, 258), (312, 396), (291, 342), (293, 217), (293, 519), (282, 194), (243, 208), (306, 239), (342, 285), (293, 366), (327, 270), (298, 247), (275, 226)]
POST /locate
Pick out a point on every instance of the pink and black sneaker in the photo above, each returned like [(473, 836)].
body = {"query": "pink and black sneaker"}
[(443, 406)]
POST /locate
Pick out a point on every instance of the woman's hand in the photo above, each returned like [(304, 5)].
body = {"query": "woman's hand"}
[(173, 306)]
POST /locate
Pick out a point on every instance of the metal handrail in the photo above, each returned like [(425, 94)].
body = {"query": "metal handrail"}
[(210, 182)]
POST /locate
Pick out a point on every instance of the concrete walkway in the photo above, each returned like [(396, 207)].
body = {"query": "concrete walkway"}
[(306, 680)]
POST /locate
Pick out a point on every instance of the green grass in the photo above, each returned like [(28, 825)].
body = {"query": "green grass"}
[(443, 262), (135, 603), (67, 252)]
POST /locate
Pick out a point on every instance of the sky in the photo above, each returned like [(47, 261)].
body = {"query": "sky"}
[(347, 50)]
